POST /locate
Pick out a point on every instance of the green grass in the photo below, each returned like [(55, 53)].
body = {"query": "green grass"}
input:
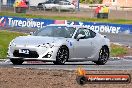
[(7, 36), (71, 18), (117, 50)]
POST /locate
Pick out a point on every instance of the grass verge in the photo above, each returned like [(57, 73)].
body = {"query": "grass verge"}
[(71, 18), (7, 36), (117, 50)]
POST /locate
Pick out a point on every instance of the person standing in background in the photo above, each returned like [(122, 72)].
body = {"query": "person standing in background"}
[(97, 12), (105, 11), (102, 12), (75, 2), (26, 1)]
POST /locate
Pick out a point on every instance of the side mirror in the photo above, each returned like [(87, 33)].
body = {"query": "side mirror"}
[(104, 36), (31, 33), (80, 36)]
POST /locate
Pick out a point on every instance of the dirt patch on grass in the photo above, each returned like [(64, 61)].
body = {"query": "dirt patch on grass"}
[(34, 78), (120, 50)]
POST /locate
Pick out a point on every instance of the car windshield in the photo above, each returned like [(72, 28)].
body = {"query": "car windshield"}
[(56, 31)]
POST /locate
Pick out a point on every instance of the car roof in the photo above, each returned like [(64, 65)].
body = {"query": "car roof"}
[(67, 25)]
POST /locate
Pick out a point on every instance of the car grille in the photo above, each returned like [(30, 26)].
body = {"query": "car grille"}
[(32, 54)]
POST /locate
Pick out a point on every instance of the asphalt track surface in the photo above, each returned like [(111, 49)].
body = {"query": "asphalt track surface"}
[(112, 64)]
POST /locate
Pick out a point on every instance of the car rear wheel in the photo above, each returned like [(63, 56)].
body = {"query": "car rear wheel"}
[(16, 61), (103, 56), (62, 55)]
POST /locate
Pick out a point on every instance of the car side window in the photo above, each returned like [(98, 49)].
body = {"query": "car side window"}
[(71, 30), (87, 33), (84, 31), (93, 34)]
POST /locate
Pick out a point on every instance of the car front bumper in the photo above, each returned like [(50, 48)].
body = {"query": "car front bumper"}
[(33, 59), (40, 53)]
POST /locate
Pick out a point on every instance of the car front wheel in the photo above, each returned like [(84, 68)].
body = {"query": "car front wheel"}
[(16, 61), (62, 55), (103, 56)]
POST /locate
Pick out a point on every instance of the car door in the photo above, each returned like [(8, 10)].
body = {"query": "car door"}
[(83, 48)]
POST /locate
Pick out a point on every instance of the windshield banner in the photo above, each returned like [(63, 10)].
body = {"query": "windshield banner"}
[(6, 21)]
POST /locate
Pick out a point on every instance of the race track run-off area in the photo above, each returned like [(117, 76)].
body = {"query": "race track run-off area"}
[(47, 75), (112, 64)]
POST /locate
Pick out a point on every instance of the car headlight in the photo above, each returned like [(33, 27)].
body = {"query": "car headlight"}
[(47, 45), (12, 43)]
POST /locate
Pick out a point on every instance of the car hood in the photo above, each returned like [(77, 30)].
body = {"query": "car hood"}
[(35, 40)]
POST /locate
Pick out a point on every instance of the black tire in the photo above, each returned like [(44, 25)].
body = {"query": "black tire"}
[(81, 80), (103, 56), (62, 55), (16, 61)]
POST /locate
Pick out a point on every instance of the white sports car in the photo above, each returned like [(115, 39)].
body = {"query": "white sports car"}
[(59, 44), (57, 5)]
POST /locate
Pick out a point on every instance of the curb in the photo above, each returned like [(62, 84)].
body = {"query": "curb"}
[(119, 58), (3, 59), (128, 57), (30, 62), (115, 58)]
